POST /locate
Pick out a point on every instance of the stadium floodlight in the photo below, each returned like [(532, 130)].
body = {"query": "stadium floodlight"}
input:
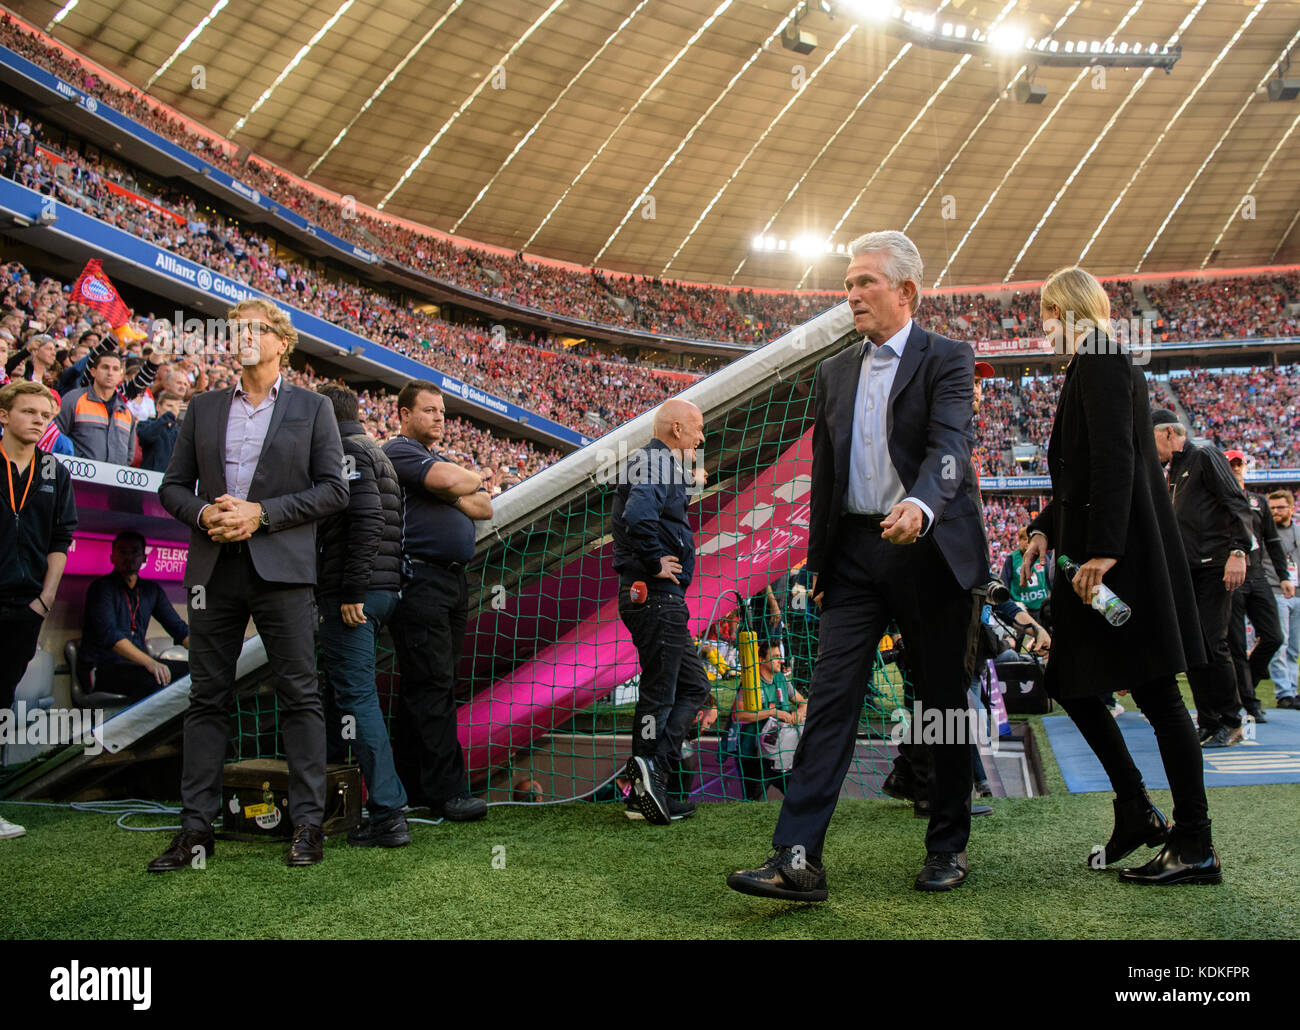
[(875, 10), (756, 243), (960, 31), (1006, 40)]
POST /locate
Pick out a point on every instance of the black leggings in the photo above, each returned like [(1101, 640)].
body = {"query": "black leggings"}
[(1180, 749)]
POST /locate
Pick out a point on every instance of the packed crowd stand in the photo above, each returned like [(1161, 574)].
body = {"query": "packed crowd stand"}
[(1188, 309), (35, 311)]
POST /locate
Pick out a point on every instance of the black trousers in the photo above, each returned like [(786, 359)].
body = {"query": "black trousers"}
[(872, 583), (285, 616), (1214, 685), (674, 685), (1253, 600), (20, 628), (1180, 750), (135, 681), (757, 773), (429, 636)]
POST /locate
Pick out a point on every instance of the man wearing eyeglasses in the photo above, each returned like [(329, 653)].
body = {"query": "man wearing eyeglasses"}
[(255, 467)]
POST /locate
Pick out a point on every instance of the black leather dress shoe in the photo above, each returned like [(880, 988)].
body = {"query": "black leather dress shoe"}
[(785, 875), (1258, 716), (389, 832), (186, 848), (1284, 702), (897, 787), (308, 847), (464, 808), (1188, 857), (943, 871), (1137, 822)]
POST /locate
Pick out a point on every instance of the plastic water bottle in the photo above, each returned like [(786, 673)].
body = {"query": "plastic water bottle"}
[(1115, 611)]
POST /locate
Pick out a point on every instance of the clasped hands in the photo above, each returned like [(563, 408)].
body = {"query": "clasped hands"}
[(229, 519)]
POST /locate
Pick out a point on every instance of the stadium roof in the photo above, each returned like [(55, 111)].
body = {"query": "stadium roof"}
[(662, 136)]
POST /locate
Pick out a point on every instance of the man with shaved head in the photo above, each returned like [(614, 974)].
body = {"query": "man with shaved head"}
[(654, 555)]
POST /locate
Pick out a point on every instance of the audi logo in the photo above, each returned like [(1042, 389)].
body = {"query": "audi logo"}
[(80, 469), (132, 477)]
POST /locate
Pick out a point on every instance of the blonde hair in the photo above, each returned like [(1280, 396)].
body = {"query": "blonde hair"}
[(277, 318), (22, 387), (1079, 296)]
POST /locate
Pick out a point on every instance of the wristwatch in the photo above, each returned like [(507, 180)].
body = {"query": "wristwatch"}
[(265, 520), (1236, 552)]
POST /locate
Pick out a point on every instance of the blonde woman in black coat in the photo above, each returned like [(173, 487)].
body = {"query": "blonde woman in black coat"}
[(1111, 514)]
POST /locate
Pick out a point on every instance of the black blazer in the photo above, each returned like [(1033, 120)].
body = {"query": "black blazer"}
[(298, 480), (929, 443), (1110, 500)]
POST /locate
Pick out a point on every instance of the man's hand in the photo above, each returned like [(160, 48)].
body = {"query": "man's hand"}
[(1288, 588), (161, 672), (36, 602), (1234, 573), (903, 524), (1088, 578), (234, 520), (669, 566), (1034, 553), (817, 598), (353, 614), (1041, 642), (786, 717)]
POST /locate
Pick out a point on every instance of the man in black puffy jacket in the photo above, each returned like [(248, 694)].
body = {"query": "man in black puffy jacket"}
[(359, 576)]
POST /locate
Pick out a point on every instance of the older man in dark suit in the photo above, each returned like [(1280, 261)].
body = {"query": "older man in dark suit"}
[(268, 464), (894, 533)]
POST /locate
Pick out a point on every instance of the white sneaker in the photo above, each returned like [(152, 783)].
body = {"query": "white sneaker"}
[(8, 829), (1117, 709)]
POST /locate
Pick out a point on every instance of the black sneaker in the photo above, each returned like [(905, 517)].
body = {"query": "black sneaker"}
[(463, 808), (390, 832), (650, 789), (678, 808), (785, 875), (1225, 736)]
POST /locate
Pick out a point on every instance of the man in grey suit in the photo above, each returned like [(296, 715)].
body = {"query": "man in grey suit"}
[(267, 462)]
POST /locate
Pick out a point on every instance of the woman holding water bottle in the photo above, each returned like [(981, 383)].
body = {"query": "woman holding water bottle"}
[(1111, 518)]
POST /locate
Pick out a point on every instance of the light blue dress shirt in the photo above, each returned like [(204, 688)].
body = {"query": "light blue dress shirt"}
[(874, 486)]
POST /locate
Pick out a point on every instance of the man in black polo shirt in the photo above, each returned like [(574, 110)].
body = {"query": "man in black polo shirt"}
[(440, 501), (654, 555), (113, 657)]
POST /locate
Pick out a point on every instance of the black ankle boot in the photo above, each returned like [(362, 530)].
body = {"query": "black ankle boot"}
[(1188, 857), (1137, 822)]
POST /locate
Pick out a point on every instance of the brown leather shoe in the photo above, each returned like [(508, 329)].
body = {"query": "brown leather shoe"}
[(308, 847), (188, 848)]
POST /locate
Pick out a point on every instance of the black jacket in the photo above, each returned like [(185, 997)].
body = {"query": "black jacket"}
[(929, 445), (157, 438), (361, 547), (44, 526), (1213, 513), (649, 519), (1110, 500), (1266, 535)]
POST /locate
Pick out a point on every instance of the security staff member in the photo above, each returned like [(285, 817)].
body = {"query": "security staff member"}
[(1254, 598), (440, 502), (654, 552), (1215, 521)]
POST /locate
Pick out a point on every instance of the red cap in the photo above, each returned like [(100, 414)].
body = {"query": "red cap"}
[(1235, 455), (983, 369)]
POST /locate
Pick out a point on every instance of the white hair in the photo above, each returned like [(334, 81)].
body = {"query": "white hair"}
[(902, 259)]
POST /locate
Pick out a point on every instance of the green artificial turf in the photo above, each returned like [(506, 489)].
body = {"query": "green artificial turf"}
[(583, 870)]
